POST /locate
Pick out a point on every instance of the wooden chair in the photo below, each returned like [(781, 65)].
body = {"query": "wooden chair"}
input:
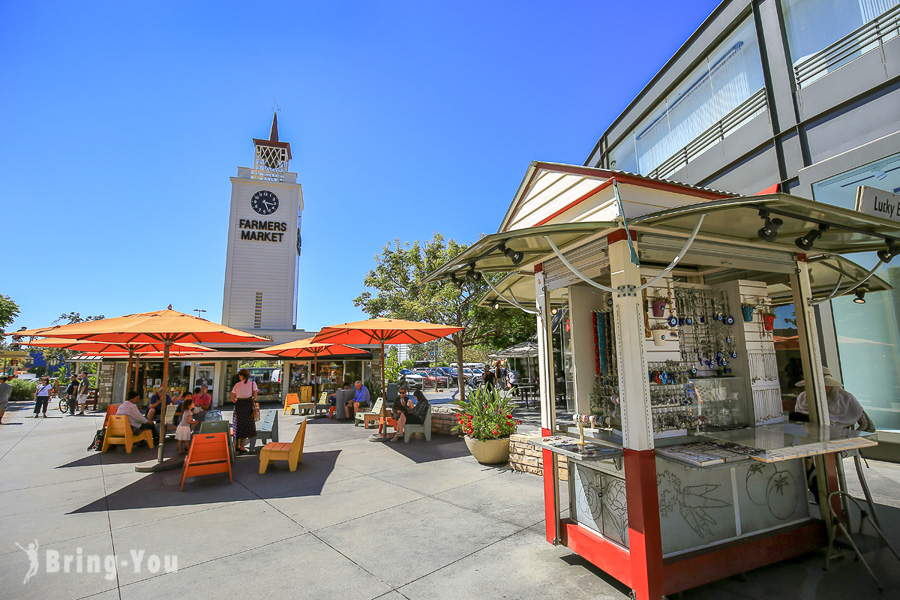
[(219, 427), (425, 428), (322, 405), (118, 431), (208, 455), (93, 398), (372, 415), (289, 402), (266, 429), (292, 453), (110, 411)]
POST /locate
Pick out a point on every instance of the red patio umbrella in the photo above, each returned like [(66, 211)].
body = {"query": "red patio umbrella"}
[(384, 331), (306, 348), (134, 351), (167, 327)]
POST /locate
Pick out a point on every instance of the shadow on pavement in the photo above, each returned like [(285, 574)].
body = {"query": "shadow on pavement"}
[(162, 489)]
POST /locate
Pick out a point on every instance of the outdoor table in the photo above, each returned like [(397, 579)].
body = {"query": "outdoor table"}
[(526, 389)]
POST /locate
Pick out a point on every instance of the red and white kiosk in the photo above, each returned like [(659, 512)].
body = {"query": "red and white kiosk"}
[(682, 468)]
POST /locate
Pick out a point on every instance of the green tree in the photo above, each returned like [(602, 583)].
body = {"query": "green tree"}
[(398, 292), (9, 310)]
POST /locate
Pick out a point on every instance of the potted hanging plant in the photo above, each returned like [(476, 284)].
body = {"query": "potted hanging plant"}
[(768, 318), (659, 306), (659, 334), (486, 421), (747, 310)]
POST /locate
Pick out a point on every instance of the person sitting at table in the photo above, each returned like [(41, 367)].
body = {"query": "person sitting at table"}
[(137, 421), (400, 402), (202, 399), (844, 410), (332, 399), (154, 408), (413, 414), (361, 399)]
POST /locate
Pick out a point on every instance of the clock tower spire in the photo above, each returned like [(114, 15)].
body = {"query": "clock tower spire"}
[(272, 157), (263, 260)]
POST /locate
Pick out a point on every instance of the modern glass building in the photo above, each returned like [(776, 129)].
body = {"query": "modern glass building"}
[(802, 94)]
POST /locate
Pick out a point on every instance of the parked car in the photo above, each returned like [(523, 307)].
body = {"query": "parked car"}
[(414, 381)]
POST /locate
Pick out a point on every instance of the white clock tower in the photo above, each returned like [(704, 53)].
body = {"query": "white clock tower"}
[(263, 261)]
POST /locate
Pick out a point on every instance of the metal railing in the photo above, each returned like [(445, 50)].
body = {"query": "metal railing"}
[(869, 37), (751, 107)]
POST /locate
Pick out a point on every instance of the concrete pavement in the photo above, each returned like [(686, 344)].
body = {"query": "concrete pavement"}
[(357, 520)]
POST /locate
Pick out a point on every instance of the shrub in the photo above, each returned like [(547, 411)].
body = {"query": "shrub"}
[(486, 415), (22, 391)]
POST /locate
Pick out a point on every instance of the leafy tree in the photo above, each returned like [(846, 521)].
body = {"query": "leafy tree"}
[(9, 310), (400, 293)]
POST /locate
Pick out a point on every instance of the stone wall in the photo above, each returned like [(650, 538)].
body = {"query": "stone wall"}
[(443, 420), (529, 459)]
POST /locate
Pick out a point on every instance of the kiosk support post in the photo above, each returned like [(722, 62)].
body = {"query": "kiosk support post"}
[(548, 406), (645, 540), (814, 376)]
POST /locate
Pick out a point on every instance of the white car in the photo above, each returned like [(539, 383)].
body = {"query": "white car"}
[(414, 381)]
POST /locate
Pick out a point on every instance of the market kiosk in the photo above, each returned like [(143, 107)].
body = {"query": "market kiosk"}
[(682, 468)]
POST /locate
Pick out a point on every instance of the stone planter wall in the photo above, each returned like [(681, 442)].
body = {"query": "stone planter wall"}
[(443, 420), (525, 457)]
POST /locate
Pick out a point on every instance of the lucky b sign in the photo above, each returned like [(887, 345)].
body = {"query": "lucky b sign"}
[(878, 203)]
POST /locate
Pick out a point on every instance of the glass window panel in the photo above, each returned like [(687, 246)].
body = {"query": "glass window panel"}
[(729, 76), (868, 334), (622, 157), (813, 25)]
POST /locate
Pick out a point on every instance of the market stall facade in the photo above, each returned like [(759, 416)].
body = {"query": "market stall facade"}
[(682, 467)]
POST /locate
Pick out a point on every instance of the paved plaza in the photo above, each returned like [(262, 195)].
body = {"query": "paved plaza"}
[(357, 520)]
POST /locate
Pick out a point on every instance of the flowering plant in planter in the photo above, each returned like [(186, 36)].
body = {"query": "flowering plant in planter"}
[(486, 415)]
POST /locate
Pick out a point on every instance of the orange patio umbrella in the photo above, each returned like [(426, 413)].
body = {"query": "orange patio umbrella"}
[(384, 331), (167, 327), (134, 351), (308, 348)]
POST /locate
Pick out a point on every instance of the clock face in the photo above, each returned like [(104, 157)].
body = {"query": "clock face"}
[(264, 202)]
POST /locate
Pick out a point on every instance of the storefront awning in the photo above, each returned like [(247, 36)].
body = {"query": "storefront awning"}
[(739, 220), (523, 350), (513, 250), (519, 287), (825, 272)]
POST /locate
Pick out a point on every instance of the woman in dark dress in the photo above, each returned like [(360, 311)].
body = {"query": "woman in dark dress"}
[(244, 394)]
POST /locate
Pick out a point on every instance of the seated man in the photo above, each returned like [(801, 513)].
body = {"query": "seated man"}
[(360, 400), (332, 399), (154, 408), (202, 399), (137, 421)]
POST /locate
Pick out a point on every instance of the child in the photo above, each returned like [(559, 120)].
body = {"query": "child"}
[(183, 432)]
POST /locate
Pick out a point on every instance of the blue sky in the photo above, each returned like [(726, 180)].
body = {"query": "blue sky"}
[(121, 123)]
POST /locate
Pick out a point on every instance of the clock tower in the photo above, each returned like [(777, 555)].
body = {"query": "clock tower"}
[(263, 261)]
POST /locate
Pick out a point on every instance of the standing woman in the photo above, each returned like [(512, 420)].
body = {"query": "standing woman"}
[(42, 397), (244, 394)]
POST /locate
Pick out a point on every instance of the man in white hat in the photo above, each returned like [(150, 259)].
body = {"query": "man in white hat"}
[(844, 410)]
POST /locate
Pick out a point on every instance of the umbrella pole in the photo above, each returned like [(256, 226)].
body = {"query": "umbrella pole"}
[(162, 398), (383, 391), (128, 384), (137, 370)]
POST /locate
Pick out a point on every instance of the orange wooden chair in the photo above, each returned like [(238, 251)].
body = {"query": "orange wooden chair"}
[(110, 411), (208, 455), (289, 401), (118, 431), (385, 422), (292, 453)]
